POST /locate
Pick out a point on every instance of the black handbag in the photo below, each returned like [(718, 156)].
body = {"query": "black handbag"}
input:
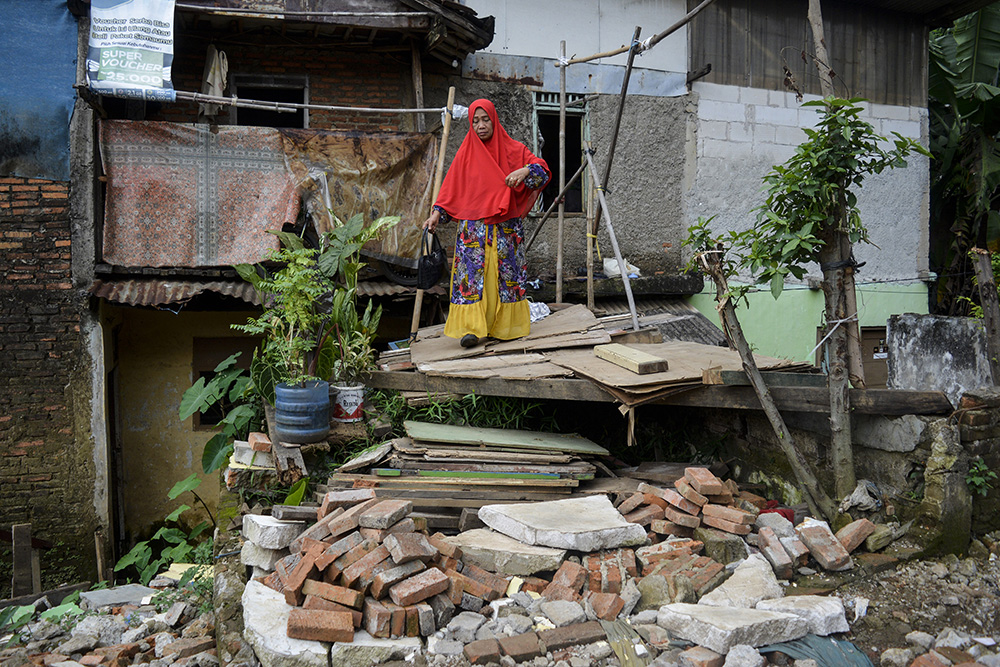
[(430, 266)]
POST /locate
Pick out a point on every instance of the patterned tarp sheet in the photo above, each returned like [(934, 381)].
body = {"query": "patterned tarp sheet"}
[(191, 195), (374, 173)]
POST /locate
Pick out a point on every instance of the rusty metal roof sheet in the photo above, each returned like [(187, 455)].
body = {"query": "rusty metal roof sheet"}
[(675, 317), (158, 292)]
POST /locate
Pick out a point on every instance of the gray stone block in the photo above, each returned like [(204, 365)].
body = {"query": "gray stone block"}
[(825, 615), (265, 618), (582, 524), (118, 596), (260, 557), (721, 628), (271, 533), (563, 612), (499, 553), (752, 581)]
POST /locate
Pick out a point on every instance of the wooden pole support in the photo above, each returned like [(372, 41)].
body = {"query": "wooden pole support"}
[(418, 301), (562, 173), (991, 309), (552, 206), (22, 580)]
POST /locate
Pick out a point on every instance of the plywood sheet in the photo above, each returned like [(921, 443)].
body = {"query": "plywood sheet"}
[(483, 362), (687, 361), (587, 339), (498, 437)]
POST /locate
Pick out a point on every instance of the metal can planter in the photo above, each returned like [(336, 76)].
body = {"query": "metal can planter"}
[(348, 403), (302, 413)]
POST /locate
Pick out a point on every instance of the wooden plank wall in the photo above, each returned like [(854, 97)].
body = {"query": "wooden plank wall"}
[(881, 56)]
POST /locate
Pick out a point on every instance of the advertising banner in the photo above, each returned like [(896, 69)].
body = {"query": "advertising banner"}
[(131, 49)]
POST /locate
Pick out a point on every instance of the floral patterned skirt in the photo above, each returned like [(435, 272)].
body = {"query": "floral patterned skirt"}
[(487, 282)]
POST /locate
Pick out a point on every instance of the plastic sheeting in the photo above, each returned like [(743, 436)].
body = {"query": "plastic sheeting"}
[(385, 173), (38, 60), (826, 651)]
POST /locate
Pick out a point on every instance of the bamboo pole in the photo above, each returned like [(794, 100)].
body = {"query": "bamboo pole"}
[(614, 133), (991, 310), (614, 241), (287, 107), (591, 239), (817, 499), (418, 301), (653, 41), (562, 174), (552, 206)]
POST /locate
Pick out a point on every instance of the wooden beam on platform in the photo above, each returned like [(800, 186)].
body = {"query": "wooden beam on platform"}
[(886, 402), (555, 389), (715, 376)]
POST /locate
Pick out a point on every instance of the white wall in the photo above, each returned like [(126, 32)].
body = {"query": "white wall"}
[(535, 28), (743, 132)]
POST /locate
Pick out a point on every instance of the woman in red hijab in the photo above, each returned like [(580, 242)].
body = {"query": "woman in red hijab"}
[(492, 183)]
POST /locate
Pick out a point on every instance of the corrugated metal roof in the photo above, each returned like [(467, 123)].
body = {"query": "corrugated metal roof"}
[(158, 292), (675, 317)]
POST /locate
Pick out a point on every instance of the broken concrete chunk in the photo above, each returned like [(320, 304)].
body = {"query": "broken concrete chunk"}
[(246, 455), (752, 581), (258, 556), (721, 628), (825, 615), (779, 524), (722, 547), (499, 553), (563, 612), (581, 524), (265, 618), (270, 533)]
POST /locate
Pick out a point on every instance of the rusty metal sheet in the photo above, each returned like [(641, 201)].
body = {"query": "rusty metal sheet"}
[(158, 292), (342, 173)]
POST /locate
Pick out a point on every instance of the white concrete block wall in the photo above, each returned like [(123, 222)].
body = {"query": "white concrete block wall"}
[(742, 132)]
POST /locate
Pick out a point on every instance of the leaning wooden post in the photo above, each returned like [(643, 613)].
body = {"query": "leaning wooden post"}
[(591, 242), (562, 172), (991, 309), (552, 206), (418, 84), (418, 302), (819, 502), (614, 240), (22, 582)]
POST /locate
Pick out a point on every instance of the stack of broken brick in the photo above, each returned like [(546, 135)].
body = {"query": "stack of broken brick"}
[(699, 499)]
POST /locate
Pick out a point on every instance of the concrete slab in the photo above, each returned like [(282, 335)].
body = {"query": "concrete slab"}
[(752, 581), (265, 618), (499, 553), (581, 524), (271, 533), (366, 650), (824, 614), (721, 628), (117, 596)]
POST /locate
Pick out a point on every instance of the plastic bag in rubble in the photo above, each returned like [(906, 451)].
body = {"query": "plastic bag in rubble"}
[(538, 311), (866, 497), (611, 269)]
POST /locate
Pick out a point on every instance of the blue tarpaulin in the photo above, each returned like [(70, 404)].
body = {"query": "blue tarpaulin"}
[(37, 72)]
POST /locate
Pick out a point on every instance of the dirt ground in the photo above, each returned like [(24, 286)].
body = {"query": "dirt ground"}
[(930, 595)]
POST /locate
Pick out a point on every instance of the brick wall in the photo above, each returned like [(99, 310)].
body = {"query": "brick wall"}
[(336, 78), (42, 478)]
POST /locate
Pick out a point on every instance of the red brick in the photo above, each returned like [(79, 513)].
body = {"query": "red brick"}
[(824, 546), (699, 656), (344, 498), (356, 554), (631, 503), (571, 635), (397, 619), (645, 515), (703, 481), (338, 549), (652, 554), (407, 525), (730, 514), (559, 592), (377, 619), (571, 575), (90, 660), (680, 518), (721, 498), (607, 606), (521, 647), (726, 526), (317, 603), (456, 586), (409, 546), (927, 660), (496, 584), (364, 564), (188, 646), (259, 442), (854, 533), (652, 499), (775, 553), (334, 524), (670, 528), (752, 498), (345, 596), (385, 513), (534, 584), (482, 651), (445, 548), (419, 587), (675, 499), (365, 580), (319, 625), (412, 621), (388, 578)]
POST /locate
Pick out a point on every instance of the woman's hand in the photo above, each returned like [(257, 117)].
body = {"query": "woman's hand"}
[(516, 177), (431, 222)]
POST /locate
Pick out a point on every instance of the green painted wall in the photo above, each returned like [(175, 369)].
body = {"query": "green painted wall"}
[(786, 327)]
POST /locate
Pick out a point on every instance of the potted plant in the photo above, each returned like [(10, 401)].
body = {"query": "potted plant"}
[(310, 327)]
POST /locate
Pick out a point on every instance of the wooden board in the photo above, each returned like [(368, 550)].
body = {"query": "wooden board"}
[(463, 474), (816, 399), (486, 361), (445, 494), (630, 358), (559, 389), (714, 376), (578, 468), (512, 438), (575, 339), (415, 482)]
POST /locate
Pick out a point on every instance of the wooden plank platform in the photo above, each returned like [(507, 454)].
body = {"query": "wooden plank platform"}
[(887, 402)]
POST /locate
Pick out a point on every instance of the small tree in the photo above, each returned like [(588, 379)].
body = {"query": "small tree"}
[(811, 216)]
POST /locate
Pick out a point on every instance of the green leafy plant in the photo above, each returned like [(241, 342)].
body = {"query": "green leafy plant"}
[(14, 619), (228, 384), (980, 478), (173, 543)]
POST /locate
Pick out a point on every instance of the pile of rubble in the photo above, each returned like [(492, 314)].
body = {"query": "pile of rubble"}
[(121, 626)]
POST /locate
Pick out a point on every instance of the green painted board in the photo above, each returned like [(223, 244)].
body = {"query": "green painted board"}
[(501, 437)]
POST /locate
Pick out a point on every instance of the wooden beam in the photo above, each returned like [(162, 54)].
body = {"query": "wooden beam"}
[(21, 583), (887, 402), (552, 389), (716, 376), (637, 361), (991, 309)]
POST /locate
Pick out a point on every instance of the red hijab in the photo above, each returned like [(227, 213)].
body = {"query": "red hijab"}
[(474, 188)]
